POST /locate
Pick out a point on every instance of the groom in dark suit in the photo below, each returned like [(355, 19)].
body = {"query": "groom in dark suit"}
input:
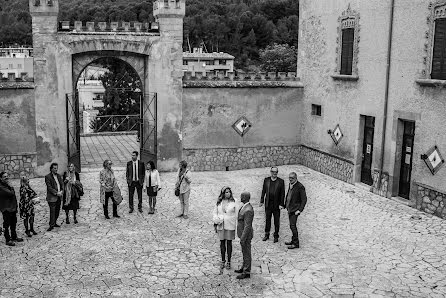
[(54, 187), (135, 174), (245, 233), (273, 193)]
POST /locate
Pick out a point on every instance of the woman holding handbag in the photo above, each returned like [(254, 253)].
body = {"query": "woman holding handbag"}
[(182, 189), (73, 191), (152, 184), (28, 197), (225, 219), (108, 186)]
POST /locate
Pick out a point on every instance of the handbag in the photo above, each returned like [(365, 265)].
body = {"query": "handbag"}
[(117, 197), (80, 188), (177, 188)]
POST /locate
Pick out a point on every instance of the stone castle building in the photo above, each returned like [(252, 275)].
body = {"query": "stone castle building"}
[(366, 105)]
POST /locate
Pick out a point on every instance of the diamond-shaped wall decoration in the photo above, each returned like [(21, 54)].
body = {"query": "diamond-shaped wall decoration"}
[(434, 160), (242, 126), (337, 135)]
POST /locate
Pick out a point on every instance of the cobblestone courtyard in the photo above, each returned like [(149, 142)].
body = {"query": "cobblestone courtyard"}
[(353, 243)]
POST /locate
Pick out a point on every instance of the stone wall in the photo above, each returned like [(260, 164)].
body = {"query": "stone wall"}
[(326, 163), (430, 200), (17, 165), (222, 159)]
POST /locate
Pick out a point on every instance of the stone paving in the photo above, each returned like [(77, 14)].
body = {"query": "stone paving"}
[(353, 244), (116, 147)]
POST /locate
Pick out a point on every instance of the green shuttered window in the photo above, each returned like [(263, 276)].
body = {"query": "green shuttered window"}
[(439, 51), (348, 36)]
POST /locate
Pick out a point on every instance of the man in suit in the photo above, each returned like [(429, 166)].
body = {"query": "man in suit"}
[(135, 174), (245, 233), (273, 193), (54, 187), (295, 201)]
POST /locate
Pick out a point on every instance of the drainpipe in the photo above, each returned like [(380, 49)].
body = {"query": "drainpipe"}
[(386, 96)]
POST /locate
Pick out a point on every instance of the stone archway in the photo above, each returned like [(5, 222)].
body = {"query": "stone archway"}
[(155, 55)]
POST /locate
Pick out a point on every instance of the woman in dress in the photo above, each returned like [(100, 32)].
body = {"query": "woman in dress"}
[(107, 181), (26, 206), (71, 195), (225, 221), (152, 183)]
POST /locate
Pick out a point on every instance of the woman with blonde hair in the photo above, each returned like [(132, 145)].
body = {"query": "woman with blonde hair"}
[(73, 191), (225, 219), (28, 197)]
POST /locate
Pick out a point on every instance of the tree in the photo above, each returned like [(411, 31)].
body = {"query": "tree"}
[(279, 57)]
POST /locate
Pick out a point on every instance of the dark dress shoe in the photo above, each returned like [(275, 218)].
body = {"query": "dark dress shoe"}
[(293, 246), (67, 221), (57, 226), (140, 210), (289, 243), (18, 239), (243, 276), (239, 270), (107, 217), (265, 238), (117, 216), (50, 229), (75, 221), (276, 240), (28, 233), (131, 211), (34, 232), (10, 243)]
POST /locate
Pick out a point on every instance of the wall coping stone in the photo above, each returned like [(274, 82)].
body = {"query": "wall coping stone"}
[(18, 154), (17, 85), (240, 147), (241, 84), (430, 187), (329, 154)]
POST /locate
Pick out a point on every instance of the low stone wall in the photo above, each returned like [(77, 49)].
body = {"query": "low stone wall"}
[(326, 163), (430, 200), (222, 159), (17, 165)]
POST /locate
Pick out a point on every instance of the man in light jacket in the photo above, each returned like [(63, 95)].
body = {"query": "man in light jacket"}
[(54, 187)]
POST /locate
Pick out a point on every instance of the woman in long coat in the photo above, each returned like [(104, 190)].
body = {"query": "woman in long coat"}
[(72, 192)]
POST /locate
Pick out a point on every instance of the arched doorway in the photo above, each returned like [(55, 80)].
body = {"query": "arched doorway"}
[(108, 114)]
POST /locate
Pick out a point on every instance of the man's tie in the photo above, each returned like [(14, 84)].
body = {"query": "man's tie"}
[(134, 171)]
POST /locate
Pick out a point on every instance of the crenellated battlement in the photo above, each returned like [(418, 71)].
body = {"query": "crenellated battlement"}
[(44, 7), (169, 7), (241, 79), (117, 27)]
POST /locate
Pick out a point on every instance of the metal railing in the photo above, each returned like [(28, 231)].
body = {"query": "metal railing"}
[(112, 123)]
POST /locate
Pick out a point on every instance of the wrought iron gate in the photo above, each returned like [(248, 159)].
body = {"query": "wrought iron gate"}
[(73, 130), (147, 130)]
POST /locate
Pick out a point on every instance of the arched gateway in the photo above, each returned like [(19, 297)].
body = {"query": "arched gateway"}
[(62, 52)]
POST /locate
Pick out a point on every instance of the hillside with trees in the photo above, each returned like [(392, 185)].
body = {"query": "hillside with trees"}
[(256, 32)]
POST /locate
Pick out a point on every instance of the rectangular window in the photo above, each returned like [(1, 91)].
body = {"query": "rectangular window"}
[(439, 51), (222, 62), (185, 62), (19, 65), (11, 66), (316, 110), (209, 62), (348, 36)]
